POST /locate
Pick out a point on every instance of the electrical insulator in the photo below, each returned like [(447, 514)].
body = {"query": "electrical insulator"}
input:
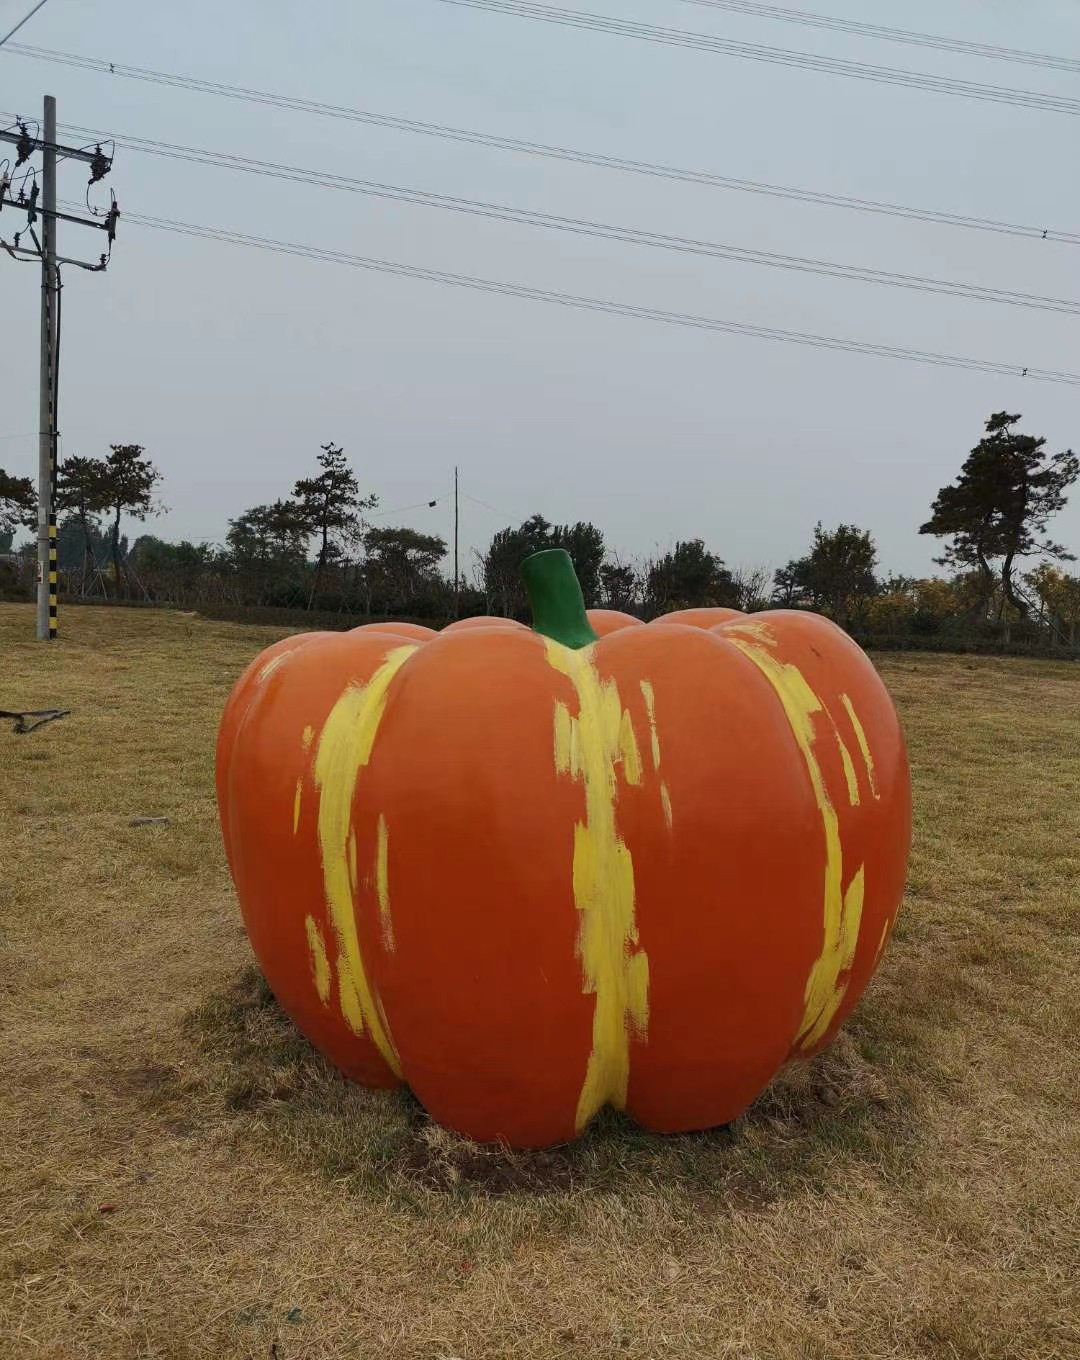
[(24, 146), (111, 221), (99, 166)]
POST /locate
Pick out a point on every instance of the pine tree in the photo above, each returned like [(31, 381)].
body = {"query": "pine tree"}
[(999, 506)]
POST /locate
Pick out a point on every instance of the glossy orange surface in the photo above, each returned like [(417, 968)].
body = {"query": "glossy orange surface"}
[(531, 881)]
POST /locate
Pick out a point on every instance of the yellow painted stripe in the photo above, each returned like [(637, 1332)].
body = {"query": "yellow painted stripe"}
[(842, 912), (590, 747), (382, 881), (849, 772), (844, 957), (344, 749), (665, 803), (752, 630), (864, 745), (628, 749), (320, 964), (307, 738), (566, 742), (649, 695)]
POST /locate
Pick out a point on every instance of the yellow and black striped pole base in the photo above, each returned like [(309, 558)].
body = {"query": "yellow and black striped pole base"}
[(54, 579)]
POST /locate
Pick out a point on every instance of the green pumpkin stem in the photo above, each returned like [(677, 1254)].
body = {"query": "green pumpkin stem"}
[(558, 606)]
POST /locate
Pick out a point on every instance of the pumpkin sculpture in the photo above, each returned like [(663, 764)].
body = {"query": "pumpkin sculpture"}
[(533, 872)]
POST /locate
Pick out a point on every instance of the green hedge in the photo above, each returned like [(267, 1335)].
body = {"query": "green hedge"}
[(302, 620), (309, 620), (963, 646)]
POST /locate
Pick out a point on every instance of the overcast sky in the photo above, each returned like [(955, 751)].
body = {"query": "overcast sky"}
[(232, 365)]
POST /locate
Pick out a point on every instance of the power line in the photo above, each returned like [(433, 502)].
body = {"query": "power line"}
[(403, 509), (522, 146), (807, 61), (604, 305), (600, 230), (502, 514), (963, 46), (25, 19)]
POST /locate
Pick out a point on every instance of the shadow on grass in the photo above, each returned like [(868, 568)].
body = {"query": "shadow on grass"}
[(838, 1108)]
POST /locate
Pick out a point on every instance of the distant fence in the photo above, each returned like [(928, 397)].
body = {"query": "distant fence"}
[(958, 644), (303, 620), (257, 615), (310, 620), (307, 620)]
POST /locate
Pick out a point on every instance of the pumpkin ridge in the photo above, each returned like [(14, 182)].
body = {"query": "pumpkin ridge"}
[(827, 982), (344, 748), (615, 968)]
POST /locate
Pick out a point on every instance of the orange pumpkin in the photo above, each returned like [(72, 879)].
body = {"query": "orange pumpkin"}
[(532, 873)]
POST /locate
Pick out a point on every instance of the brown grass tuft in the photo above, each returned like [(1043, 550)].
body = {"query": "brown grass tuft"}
[(184, 1179)]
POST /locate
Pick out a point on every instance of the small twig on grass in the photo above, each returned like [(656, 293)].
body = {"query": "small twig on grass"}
[(43, 716)]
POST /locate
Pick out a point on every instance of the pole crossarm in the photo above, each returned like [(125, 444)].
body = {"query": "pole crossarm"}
[(106, 223), (26, 253), (28, 145)]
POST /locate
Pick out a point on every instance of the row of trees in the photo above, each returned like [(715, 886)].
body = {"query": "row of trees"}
[(317, 548), (89, 492), (688, 576)]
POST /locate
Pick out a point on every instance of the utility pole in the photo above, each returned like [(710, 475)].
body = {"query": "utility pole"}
[(45, 251), (457, 574), (47, 585)]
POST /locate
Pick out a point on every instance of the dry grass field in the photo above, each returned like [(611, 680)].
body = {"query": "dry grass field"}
[(181, 1177)]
